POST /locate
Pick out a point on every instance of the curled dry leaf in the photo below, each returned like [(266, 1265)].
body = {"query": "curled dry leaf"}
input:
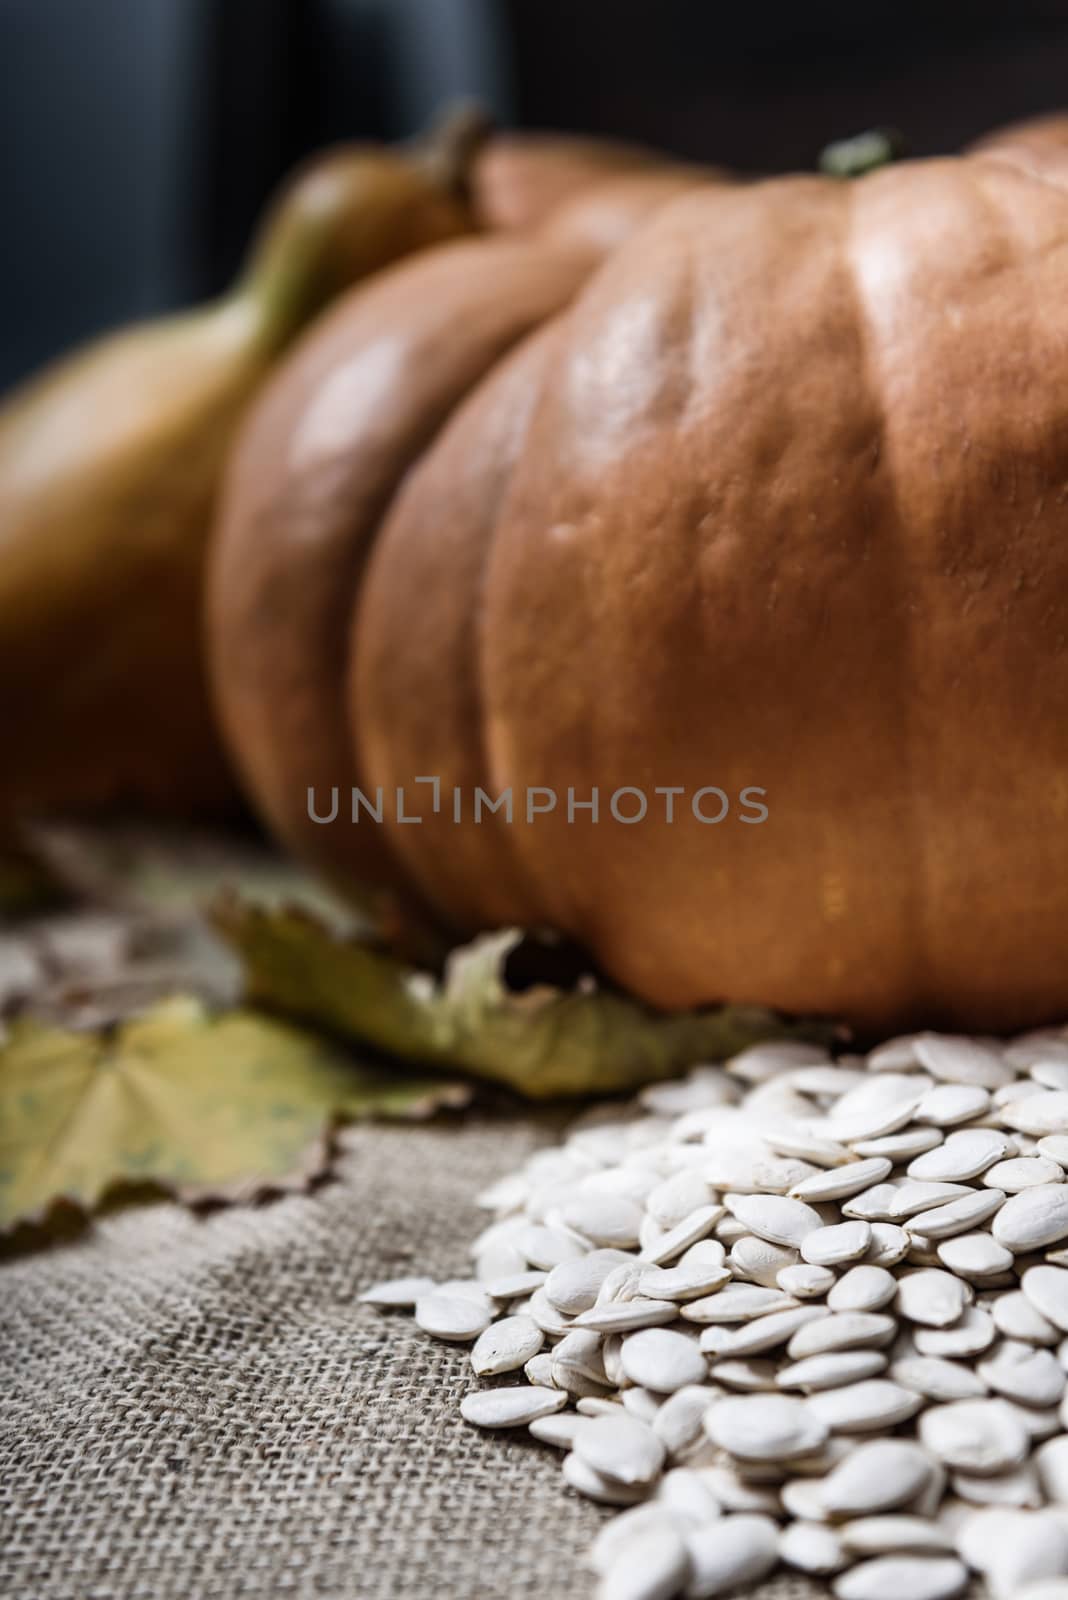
[(541, 1039), (205, 1107)]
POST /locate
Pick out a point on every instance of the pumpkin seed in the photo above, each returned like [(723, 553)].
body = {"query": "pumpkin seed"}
[(860, 1407), (876, 1477), (731, 1551), (811, 1547), (764, 1427), (400, 1292), (775, 1218), (842, 1182), (586, 1480), (805, 1282), (971, 1335), (624, 1315), (573, 1286), (620, 1447), (962, 1156), (457, 1317), (658, 1359), (956, 1060), (830, 1370), (558, 1428), (510, 1408), (976, 1436), (506, 1345), (842, 1330), (653, 1566), (883, 1535), (1033, 1218), (862, 1288), (937, 1379), (974, 1255), (1023, 1172), (1047, 1290), (890, 1577), (843, 1241)]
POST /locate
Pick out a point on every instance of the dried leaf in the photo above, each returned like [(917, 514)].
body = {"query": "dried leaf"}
[(542, 1040), (205, 1107)]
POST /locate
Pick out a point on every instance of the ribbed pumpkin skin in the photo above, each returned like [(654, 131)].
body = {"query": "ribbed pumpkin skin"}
[(780, 500)]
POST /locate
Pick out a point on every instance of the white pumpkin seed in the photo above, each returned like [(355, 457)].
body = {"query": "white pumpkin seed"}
[(932, 1297), (972, 1334), (805, 1282), (506, 1345), (764, 1427), (586, 1480), (889, 1245), (937, 1379), (573, 1286), (456, 1317), (1017, 1317), (1033, 1218), (1047, 1290), (842, 1330), (757, 1261), (731, 1551), (841, 1182), (831, 1370), (811, 1547), (738, 1302), (1034, 1377), (1023, 1172), (1040, 1114), (397, 1292), (662, 1360), (862, 1288), (557, 1429), (620, 1447), (623, 1315), (951, 1103), (775, 1218), (682, 1283), (891, 1577), (956, 1060), (510, 1408), (974, 1255), (962, 1156), (976, 1436), (861, 1407), (871, 1536), (843, 1241), (653, 1566), (877, 1477), (765, 1333), (961, 1215)]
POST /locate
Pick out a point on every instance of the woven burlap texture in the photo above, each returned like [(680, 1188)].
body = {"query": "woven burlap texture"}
[(196, 1408)]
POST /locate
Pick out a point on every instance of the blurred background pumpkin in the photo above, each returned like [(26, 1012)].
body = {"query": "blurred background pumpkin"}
[(150, 133)]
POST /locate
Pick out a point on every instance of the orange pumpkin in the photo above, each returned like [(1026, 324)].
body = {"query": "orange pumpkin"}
[(772, 498), (519, 179)]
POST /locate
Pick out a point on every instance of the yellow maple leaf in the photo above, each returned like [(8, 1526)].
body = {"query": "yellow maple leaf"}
[(202, 1106)]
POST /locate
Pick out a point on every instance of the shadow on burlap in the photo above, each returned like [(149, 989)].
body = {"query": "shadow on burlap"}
[(197, 1409)]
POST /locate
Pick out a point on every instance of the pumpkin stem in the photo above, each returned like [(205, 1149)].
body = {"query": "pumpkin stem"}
[(446, 152), (353, 210), (864, 152)]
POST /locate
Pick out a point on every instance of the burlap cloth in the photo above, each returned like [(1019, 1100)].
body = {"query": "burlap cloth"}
[(195, 1408)]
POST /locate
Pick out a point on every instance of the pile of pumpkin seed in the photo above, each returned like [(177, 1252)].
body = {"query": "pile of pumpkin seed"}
[(795, 1309)]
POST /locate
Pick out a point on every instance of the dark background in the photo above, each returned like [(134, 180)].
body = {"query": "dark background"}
[(138, 138)]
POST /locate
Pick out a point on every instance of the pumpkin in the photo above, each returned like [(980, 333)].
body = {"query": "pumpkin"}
[(520, 178), (109, 466), (773, 498)]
